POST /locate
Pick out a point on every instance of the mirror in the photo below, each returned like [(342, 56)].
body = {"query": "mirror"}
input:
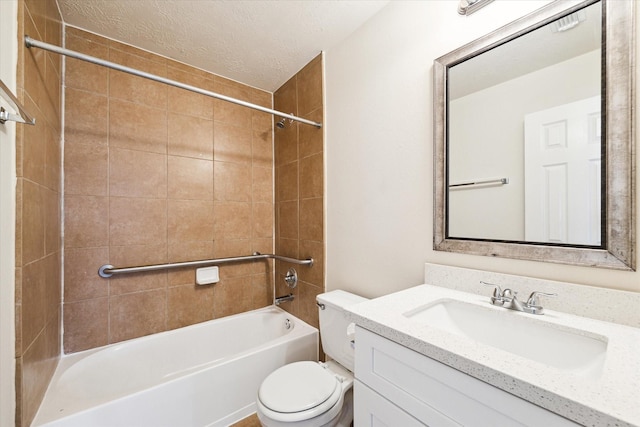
[(533, 139)]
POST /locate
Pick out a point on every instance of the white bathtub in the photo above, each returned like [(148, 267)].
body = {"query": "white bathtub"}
[(201, 375)]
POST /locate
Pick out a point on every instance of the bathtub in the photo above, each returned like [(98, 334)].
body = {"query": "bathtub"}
[(206, 374)]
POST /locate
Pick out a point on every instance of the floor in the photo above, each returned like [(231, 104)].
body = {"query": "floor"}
[(250, 421)]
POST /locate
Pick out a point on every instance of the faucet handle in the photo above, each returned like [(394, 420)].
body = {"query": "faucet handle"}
[(533, 301), (497, 291)]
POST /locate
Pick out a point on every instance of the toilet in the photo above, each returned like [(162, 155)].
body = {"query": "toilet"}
[(314, 394)]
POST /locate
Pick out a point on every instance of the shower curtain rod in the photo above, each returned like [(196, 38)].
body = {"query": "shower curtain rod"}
[(29, 42)]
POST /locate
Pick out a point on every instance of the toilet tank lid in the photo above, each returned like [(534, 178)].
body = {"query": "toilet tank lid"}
[(339, 299)]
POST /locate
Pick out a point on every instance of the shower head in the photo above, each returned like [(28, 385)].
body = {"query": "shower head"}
[(283, 122)]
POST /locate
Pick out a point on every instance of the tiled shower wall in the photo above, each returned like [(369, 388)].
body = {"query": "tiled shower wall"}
[(299, 160), (38, 251), (156, 174)]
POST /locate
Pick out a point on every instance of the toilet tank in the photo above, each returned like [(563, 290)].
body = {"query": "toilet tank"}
[(334, 323)]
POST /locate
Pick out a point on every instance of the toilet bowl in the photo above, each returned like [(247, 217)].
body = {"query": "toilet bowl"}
[(314, 394)]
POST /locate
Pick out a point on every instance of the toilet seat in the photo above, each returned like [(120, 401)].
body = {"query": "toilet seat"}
[(299, 391)]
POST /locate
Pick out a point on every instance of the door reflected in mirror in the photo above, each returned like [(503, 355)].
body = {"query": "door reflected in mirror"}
[(524, 137)]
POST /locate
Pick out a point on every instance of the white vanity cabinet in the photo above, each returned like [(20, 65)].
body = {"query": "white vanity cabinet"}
[(396, 386)]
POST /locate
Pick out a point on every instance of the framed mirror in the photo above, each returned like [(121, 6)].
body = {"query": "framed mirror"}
[(534, 139)]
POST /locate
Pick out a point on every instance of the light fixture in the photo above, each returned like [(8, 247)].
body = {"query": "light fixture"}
[(568, 22), (467, 7)]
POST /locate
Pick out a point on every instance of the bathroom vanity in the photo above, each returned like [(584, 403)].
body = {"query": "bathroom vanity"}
[(436, 356)]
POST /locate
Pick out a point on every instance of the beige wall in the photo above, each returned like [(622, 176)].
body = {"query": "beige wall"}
[(38, 254), (379, 151), (299, 161), (157, 174)]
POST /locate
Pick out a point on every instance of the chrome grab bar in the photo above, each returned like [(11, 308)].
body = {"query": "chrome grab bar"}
[(108, 270)]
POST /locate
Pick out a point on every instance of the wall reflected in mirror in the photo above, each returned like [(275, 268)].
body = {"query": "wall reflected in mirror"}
[(525, 139)]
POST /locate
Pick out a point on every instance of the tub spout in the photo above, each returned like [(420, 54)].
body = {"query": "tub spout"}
[(280, 300)]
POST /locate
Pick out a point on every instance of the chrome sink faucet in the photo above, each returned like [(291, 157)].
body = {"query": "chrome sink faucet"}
[(509, 299)]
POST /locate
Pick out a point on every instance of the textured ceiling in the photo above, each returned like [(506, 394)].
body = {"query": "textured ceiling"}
[(259, 43)]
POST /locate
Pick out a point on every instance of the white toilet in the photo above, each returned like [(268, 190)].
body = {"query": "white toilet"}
[(314, 394)]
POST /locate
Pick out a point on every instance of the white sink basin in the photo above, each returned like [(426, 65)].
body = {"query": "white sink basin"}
[(575, 351)]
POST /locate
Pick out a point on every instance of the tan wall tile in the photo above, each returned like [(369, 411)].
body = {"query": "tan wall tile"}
[(137, 255), (232, 296), (190, 178), (262, 184), (263, 217), (311, 219), (38, 363), (33, 301), (288, 247), (137, 221), (232, 220), (309, 85), (311, 137), (184, 102), (298, 156), (86, 119), (37, 240), (33, 153), (137, 127), (286, 144), (52, 220), (231, 143), (86, 169), (262, 148), (152, 195), (33, 220), (137, 174), (137, 89), (288, 219), (225, 248), (84, 75), (189, 304), (315, 274), (81, 279), (287, 182), (86, 324), (86, 221), (136, 315), (190, 136), (285, 99), (190, 220), (131, 283), (311, 176), (232, 181), (187, 251), (262, 289), (53, 160)]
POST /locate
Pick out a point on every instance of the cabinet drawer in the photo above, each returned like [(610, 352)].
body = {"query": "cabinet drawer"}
[(372, 410), (426, 389)]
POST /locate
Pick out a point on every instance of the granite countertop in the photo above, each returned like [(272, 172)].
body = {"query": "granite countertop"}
[(607, 398)]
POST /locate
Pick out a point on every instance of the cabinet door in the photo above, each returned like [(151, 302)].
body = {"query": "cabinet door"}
[(431, 391), (372, 410)]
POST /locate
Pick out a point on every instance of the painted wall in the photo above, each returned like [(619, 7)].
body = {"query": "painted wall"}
[(379, 151)]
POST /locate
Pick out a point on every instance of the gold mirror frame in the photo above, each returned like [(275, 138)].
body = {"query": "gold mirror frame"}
[(618, 250)]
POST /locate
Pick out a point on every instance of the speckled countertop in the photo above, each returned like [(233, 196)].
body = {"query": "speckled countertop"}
[(611, 398)]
